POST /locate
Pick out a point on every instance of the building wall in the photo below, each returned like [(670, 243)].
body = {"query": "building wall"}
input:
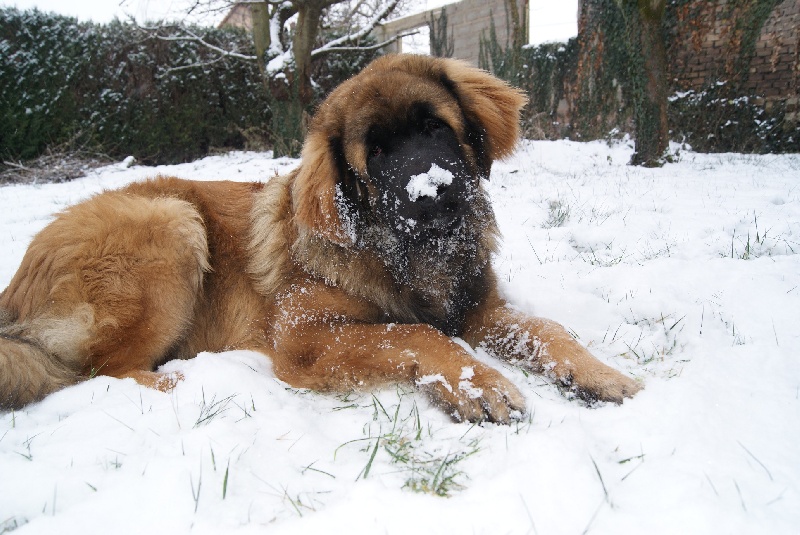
[(708, 42), (239, 17), (468, 20)]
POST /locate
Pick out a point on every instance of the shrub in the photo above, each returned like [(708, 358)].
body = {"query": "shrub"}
[(711, 121), (122, 91)]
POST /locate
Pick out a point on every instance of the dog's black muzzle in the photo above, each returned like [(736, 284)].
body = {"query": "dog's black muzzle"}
[(424, 185)]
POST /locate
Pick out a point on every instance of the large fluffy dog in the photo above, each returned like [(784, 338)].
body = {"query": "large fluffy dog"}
[(354, 270)]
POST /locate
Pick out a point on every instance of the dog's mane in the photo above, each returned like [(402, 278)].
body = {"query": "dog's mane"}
[(271, 233), (429, 282)]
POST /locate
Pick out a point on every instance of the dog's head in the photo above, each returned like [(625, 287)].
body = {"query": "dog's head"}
[(405, 142)]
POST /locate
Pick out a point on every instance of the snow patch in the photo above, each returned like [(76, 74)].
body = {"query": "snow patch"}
[(127, 162), (466, 386), (685, 278), (426, 184), (434, 378)]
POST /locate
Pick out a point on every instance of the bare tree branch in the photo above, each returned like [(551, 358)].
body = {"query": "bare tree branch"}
[(192, 66), (191, 36), (363, 32), (278, 56)]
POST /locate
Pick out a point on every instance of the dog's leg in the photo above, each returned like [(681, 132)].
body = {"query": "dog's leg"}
[(545, 347), (344, 357), (108, 288)]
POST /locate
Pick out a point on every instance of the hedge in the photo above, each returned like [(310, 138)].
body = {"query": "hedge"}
[(121, 91)]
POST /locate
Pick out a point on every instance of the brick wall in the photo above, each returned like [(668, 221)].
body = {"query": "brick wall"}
[(717, 52), (707, 44)]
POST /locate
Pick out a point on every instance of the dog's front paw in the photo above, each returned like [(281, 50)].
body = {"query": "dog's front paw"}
[(594, 381), (476, 393)]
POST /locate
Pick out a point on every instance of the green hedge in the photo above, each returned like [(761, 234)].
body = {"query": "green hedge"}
[(120, 91), (710, 121)]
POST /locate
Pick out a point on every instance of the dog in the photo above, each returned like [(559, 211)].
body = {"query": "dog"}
[(355, 270)]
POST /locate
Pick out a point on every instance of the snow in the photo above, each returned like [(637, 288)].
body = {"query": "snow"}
[(434, 378), (427, 184), (685, 277), (465, 384), (127, 162), (279, 63)]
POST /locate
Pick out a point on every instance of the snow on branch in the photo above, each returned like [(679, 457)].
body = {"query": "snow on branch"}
[(283, 11), (282, 59), (360, 34), (192, 66), (326, 49)]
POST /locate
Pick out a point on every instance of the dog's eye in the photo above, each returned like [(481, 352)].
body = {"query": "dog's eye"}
[(432, 124), (376, 150)]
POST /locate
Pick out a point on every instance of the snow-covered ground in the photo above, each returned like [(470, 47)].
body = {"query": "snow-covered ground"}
[(685, 277)]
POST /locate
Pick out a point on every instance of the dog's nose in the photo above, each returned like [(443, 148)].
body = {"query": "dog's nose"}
[(444, 207), (452, 207)]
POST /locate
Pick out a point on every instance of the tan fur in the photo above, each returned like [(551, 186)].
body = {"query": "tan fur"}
[(167, 268)]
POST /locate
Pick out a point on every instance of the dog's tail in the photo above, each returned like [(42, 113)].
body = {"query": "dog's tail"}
[(27, 372)]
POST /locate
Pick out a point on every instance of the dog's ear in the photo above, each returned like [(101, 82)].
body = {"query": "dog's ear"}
[(490, 105), (314, 193)]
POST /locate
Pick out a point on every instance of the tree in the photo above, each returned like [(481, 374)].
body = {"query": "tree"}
[(286, 33), (287, 39), (648, 76)]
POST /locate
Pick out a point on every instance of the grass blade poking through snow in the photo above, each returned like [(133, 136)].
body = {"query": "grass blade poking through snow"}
[(429, 471), (225, 481), (212, 409), (371, 458)]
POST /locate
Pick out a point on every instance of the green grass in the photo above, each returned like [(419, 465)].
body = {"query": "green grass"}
[(758, 242), (10, 524), (408, 446), (657, 341), (557, 215), (440, 476), (211, 409)]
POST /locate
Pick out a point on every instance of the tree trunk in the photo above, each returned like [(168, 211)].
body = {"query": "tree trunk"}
[(261, 38), (646, 34), (309, 15), (259, 12)]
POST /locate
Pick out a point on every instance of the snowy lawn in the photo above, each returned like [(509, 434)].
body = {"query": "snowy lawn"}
[(686, 277)]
